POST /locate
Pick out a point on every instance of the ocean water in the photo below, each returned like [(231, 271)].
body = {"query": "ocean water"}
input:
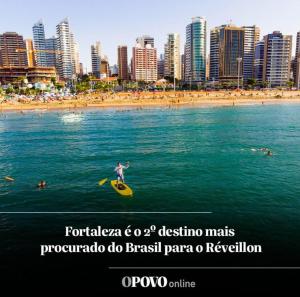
[(182, 160)]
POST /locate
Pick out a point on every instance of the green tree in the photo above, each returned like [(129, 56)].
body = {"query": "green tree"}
[(251, 82), (264, 84), (9, 90), (86, 78), (290, 84), (83, 86)]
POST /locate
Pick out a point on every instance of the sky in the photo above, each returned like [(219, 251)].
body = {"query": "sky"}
[(120, 22)]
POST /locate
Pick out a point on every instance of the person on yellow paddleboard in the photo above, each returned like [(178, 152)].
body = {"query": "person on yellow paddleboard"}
[(120, 172)]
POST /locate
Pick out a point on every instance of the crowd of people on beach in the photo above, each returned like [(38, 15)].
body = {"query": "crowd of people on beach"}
[(133, 96), (41, 98)]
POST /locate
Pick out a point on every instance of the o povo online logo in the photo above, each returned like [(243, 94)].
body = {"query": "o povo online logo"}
[(154, 282)]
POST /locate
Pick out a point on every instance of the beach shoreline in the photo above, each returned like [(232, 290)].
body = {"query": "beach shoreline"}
[(159, 100)]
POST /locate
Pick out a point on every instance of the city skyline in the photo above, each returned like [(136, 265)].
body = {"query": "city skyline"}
[(114, 27)]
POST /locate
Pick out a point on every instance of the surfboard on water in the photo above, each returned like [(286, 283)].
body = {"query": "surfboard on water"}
[(9, 179), (122, 189)]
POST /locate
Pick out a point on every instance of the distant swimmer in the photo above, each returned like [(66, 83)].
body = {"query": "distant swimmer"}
[(120, 172), (269, 154), (42, 184)]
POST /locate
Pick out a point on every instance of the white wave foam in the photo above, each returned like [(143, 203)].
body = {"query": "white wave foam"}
[(72, 118)]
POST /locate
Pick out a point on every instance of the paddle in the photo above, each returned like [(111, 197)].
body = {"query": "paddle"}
[(9, 179), (103, 182)]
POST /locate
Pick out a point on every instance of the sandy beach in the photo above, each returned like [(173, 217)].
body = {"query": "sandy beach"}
[(157, 99)]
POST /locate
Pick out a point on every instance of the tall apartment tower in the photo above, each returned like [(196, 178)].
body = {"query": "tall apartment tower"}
[(182, 66), (51, 45), (144, 63), (13, 51), (30, 53), (298, 44), (259, 61), (230, 52), (39, 43), (195, 50), (75, 55), (214, 55), (123, 63), (251, 38), (277, 59), (144, 40), (96, 59), (104, 69), (207, 67), (64, 50), (296, 66), (172, 61), (161, 67)]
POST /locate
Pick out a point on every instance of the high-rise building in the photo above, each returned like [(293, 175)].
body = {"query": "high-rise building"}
[(207, 67), (30, 53), (195, 51), (231, 52), (96, 59), (51, 51), (161, 67), (114, 71), (144, 40), (298, 44), (104, 68), (296, 64), (81, 70), (182, 66), (277, 59), (251, 37), (39, 43), (214, 55), (13, 51), (144, 63), (64, 50), (123, 62), (172, 61), (75, 55), (259, 61)]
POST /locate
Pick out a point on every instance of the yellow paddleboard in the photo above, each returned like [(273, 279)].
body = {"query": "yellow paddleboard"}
[(9, 179), (123, 189)]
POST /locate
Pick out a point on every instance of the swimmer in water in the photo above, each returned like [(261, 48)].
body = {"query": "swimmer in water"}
[(42, 184), (269, 154)]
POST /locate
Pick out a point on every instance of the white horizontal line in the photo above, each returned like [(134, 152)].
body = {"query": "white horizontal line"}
[(204, 268), (95, 212)]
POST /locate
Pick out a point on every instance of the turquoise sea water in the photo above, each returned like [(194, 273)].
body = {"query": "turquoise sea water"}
[(188, 159)]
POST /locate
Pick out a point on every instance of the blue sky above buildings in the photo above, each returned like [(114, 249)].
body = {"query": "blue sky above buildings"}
[(120, 21)]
